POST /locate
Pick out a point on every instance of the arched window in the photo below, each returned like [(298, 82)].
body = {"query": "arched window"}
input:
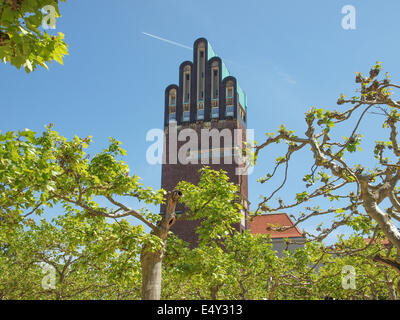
[(186, 93), (230, 99), (229, 92), (214, 84), (172, 105), (215, 90), (172, 97), (186, 84), (201, 69)]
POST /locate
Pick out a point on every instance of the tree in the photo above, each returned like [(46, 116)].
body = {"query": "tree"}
[(23, 42), (50, 171), (71, 257), (234, 266), (214, 201), (366, 190), (371, 280), (96, 254), (237, 265)]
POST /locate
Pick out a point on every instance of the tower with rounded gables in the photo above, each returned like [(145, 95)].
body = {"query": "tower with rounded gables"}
[(205, 118)]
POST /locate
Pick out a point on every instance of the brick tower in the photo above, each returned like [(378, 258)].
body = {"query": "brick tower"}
[(204, 124)]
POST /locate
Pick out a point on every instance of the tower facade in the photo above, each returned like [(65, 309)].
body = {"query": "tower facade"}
[(205, 120)]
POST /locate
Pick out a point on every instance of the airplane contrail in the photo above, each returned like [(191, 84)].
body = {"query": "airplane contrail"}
[(168, 41), (183, 46)]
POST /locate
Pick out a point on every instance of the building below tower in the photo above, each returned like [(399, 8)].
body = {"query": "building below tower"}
[(289, 239)]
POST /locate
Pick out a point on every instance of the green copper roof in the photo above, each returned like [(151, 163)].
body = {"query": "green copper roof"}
[(226, 73), (211, 52)]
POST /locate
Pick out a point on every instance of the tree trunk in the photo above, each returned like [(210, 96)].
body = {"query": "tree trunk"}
[(151, 261), (243, 291), (214, 292), (271, 295), (381, 218), (392, 288), (395, 266), (151, 275)]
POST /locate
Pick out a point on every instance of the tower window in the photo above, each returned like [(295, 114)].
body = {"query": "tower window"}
[(229, 92), (172, 105), (186, 112), (201, 63), (229, 111), (215, 80), (214, 112), (172, 113), (172, 117), (186, 116), (186, 85), (172, 97), (200, 111)]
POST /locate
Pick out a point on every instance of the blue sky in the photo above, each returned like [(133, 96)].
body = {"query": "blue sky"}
[(287, 56)]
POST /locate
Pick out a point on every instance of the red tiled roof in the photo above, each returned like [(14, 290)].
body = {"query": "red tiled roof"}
[(262, 225), (384, 242)]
